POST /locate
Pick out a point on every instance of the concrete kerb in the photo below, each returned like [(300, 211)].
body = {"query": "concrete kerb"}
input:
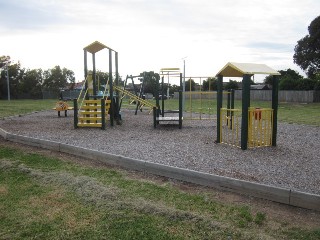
[(280, 195), (305, 200), (51, 145), (3, 133)]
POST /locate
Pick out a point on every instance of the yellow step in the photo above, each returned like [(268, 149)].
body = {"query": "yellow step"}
[(89, 113), (89, 124), (89, 119), (96, 101), (93, 108)]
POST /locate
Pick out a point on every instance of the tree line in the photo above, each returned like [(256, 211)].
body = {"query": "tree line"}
[(31, 83)]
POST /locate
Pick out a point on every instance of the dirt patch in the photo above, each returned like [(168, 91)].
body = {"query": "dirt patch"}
[(3, 190), (279, 213)]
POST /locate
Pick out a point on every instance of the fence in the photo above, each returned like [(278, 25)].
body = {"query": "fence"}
[(284, 96), (266, 95)]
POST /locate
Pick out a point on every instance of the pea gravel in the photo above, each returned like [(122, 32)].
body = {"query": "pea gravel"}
[(293, 164)]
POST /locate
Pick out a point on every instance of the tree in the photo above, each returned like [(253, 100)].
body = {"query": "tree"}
[(307, 51), (56, 79), (102, 78), (210, 81), (285, 75), (31, 84), (232, 84), (190, 85), (4, 60), (14, 71)]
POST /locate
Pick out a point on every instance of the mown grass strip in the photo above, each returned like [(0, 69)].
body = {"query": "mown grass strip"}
[(44, 197)]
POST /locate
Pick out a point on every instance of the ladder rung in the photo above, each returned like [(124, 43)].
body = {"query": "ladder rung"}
[(89, 124)]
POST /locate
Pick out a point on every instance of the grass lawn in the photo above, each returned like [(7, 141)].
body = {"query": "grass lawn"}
[(44, 197), (15, 107)]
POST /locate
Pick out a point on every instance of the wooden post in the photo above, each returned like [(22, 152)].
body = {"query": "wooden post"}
[(219, 105), (275, 90), (85, 72), (94, 75), (103, 114), (75, 110), (245, 110), (111, 89)]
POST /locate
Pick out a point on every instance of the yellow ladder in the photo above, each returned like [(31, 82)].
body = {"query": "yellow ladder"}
[(89, 114)]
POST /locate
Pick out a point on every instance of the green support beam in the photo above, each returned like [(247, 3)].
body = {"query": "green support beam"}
[(103, 114), (111, 89), (180, 102), (85, 53), (275, 90), (245, 110), (219, 105), (94, 75), (75, 112)]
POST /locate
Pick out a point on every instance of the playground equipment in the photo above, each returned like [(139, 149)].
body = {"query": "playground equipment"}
[(62, 106), (91, 109), (137, 97), (159, 113), (250, 126)]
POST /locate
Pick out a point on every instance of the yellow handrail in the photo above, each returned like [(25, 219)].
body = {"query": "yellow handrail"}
[(144, 102)]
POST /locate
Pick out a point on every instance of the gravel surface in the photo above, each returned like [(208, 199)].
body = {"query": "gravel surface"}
[(294, 163)]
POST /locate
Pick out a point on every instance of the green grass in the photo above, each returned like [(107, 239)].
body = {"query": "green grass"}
[(16, 107), (46, 198)]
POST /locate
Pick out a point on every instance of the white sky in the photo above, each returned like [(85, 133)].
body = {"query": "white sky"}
[(150, 35)]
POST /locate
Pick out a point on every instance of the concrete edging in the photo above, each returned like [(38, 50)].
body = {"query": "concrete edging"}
[(276, 194)]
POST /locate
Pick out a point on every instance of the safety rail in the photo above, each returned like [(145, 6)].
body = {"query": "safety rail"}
[(260, 124), (230, 127)]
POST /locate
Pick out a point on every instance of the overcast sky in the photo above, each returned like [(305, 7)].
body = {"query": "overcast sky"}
[(150, 35)]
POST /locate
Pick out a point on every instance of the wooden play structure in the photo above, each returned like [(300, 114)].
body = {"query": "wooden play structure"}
[(249, 126), (91, 109)]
